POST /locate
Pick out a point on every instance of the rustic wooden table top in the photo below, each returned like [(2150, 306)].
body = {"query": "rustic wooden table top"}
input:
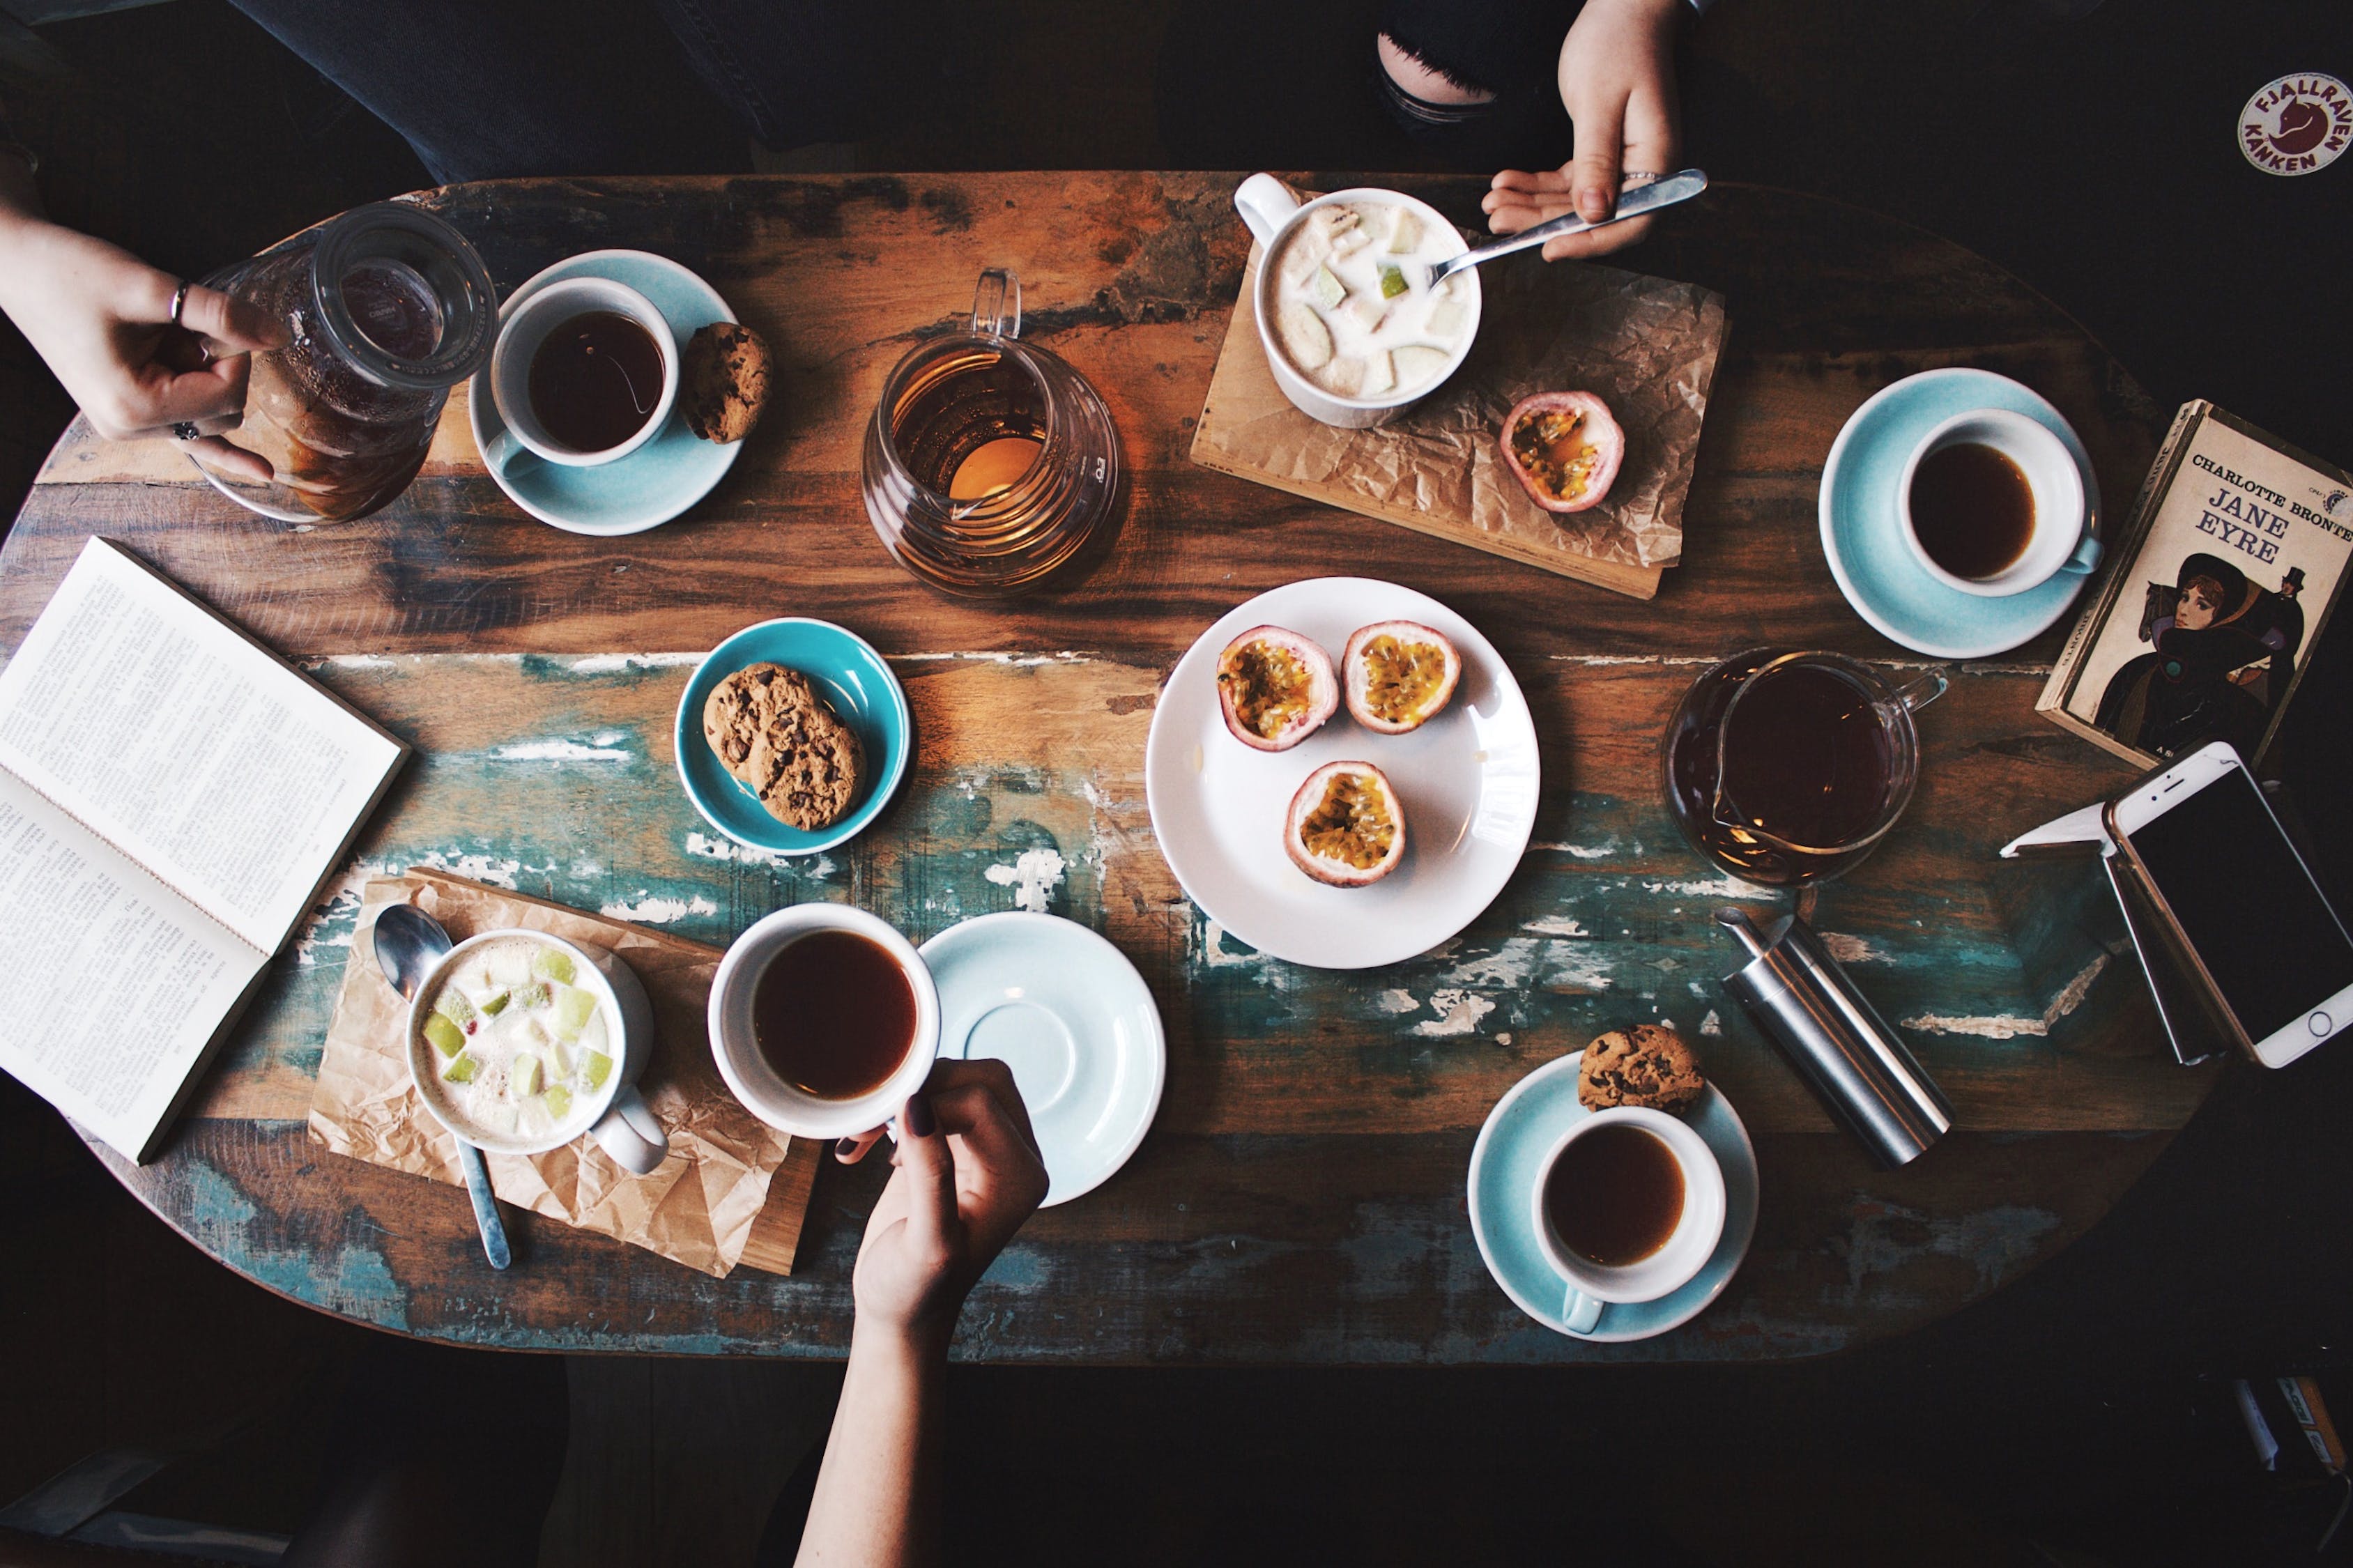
[(1301, 1197)]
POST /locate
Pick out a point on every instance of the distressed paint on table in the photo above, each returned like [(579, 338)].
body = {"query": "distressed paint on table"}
[(1299, 1198)]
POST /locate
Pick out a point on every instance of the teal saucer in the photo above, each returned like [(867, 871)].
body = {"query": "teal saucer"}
[(1504, 1165), (1863, 537), (661, 478), (852, 677)]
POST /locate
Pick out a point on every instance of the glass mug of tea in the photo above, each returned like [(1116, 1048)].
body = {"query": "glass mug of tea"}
[(989, 462), (1630, 1205), (823, 1020), (385, 309), (1788, 768), (1992, 504)]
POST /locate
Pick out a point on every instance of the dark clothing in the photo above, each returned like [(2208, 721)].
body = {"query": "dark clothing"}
[(498, 89)]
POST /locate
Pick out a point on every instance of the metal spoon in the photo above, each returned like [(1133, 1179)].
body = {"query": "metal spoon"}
[(408, 943), (1660, 193)]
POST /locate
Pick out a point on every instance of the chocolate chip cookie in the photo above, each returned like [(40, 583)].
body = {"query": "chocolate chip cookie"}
[(1646, 1064), (724, 382), (772, 729)]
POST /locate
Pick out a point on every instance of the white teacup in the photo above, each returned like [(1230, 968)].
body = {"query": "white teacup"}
[(617, 1116), (2061, 540), (765, 1094), (1592, 1286), (1273, 215), (525, 326)]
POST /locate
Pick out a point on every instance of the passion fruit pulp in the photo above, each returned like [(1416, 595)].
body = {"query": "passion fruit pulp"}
[(1276, 687), (1400, 674), (1346, 826), (1564, 448)]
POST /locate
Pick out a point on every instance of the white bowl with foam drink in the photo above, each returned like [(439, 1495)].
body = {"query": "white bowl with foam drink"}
[(551, 1038)]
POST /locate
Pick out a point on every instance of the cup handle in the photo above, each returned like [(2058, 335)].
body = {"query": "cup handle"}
[(2087, 555), (997, 299), (501, 451), (1923, 691), (632, 1134), (1266, 203), (1580, 1311)]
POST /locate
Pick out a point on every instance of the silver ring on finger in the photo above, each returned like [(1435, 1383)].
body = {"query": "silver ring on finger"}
[(185, 430), (1639, 176), (179, 300)]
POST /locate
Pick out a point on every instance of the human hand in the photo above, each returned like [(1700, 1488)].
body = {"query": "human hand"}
[(1618, 83), (101, 319), (968, 1174)]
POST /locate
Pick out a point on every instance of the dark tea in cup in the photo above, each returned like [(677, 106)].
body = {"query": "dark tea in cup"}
[(1615, 1196), (833, 1015), (1972, 509), (596, 380)]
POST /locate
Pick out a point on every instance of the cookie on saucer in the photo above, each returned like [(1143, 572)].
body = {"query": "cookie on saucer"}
[(723, 384), (1647, 1065), (772, 729)]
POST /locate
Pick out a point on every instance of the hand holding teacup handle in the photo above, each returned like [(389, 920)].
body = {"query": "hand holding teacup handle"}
[(631, 1133)]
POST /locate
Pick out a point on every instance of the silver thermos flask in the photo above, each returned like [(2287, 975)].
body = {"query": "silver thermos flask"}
[(1855, 1064)]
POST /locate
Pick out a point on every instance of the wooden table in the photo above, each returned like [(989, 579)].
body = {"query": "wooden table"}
[(1301, 1197)]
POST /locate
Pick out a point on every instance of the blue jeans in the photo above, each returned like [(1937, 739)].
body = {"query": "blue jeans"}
[(497, 89)]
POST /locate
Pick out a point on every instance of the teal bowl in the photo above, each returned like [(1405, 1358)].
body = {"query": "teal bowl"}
[(852, 677)]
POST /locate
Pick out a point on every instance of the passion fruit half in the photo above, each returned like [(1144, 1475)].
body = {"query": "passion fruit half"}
[(1276, 687), (1347, 825), (1398, 675), (1564, 448)]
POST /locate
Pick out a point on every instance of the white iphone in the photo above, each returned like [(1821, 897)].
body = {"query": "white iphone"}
[(2241, 900)]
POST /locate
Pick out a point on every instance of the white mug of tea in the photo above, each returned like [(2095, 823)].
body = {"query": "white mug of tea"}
[(1629, 1208), (584, 371), (824, 1019), (520, 1041), (1992, 504)]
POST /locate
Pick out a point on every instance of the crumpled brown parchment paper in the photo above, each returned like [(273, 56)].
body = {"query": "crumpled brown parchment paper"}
[(1647, 346), (733, 1189)]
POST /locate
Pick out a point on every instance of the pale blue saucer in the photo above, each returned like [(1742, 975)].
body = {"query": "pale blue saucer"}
[(1863, 537), (1506, 1160), (1069, 1014), (661, 478), (852, 677)]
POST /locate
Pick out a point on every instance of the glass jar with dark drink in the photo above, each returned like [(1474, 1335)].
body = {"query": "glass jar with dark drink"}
[(991, 462), (384, 309), (1788, 768)]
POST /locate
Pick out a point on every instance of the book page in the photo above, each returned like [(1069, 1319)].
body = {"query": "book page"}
[(114, 986), (188, 747)]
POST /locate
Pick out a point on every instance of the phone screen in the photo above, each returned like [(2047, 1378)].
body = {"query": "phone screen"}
[(2247, 904)]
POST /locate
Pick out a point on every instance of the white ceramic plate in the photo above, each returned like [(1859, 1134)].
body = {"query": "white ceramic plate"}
[(1467, 780), (1068, 1012)]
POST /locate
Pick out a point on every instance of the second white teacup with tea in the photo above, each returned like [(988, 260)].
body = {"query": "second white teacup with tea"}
[(824, 1019), (1992, 503), (1630, 1204)]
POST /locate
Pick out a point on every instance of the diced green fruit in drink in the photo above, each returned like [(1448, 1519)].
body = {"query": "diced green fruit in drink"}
[(598, 1068), (574, 1008), (1393, 282), (1416, 364), (1379, 377), (452, 1004), (1306, 337), (1328, 289), (446, 1038), (460, 1070), (559, 1060), (529, 996), (524, 1076), (1446, 319), (495, 1002), (552, 963), (1366, 311), (558, 1100), (1406, 234)]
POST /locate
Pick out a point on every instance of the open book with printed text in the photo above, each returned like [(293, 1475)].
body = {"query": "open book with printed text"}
[(172, 798)]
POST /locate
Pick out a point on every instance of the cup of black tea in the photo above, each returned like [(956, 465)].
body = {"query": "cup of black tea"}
[(1629, 1208), (1992, 504), (823, 1020), (584, 371)]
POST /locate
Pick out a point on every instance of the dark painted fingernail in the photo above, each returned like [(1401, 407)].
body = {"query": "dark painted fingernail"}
[(845, 1149), (918, 1116)]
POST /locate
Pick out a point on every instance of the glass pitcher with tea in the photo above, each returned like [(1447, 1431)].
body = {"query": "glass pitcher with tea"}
[(991, 462), (384, 309), (1788, 768)]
